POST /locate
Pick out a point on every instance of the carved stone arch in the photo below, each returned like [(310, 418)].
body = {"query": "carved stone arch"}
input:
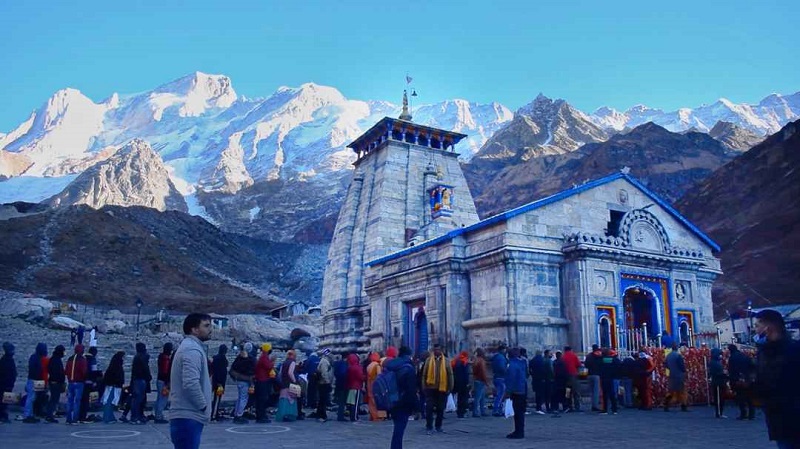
[(641, 229)]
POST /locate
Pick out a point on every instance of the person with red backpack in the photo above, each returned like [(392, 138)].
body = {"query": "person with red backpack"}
[(76, 371), (162, 382)]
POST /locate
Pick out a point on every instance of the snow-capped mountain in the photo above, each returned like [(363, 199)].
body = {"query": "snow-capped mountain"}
[(766, 117)]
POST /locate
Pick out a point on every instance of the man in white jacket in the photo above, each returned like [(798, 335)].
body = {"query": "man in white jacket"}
[(190, 394)]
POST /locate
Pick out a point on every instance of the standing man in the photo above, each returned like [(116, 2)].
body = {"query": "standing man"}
[(162, 382), (777, 365), (340, 375), (36, 375), (592, 363), (325, 376), (536, 370), (190, 394), (80, 333), (480, 381), (742, 372), (140, 379), (8, 375), (57, 382), (460, 367), (517, 391), (77, 369), (406, 377), (242, 372), (571, 365), (437, 380), (549, 379), (265, 372), (499, 371), (219, 374), (677, 379), (609, 369), (644, 380), (718, 379)]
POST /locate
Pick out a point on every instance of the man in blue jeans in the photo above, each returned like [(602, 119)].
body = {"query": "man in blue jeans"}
[(140, 379), (499, 370), (76, 372), (190, 392), (406, 378)]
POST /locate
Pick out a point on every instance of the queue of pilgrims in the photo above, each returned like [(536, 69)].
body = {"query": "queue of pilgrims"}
[(267, 390)]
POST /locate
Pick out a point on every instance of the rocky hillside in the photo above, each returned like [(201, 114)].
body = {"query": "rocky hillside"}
[(116, 254), (133, 176), (751, 207), (668, 163), (735, 137)]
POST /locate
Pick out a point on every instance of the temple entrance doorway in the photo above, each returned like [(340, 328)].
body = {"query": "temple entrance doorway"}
[(641, 310)]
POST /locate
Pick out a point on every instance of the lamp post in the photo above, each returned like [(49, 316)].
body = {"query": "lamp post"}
[(139, 304), (750, 319)]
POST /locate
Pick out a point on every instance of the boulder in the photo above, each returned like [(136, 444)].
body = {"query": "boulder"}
[(64, 322), (111, 327), (29, 309)]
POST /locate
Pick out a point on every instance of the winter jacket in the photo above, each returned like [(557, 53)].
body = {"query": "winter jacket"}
[(340, 374), (325, 371), (777, 365), (114, 376), (499, 365), (571, 363), (141, 367), (55, 370), (355, 375), (741, 368), (592, 362), (715, 369), (609, 367), (77, 368), (432, 363), (8, 372), (190, 395), (536, 368), (479, 370), (515, 377), (547, 367), (35, 366), (264, 367), (243, 369), (219, 368), (460, 374), (629, 368), (164, 366), (677, 371), (310, 366), (406, 377)]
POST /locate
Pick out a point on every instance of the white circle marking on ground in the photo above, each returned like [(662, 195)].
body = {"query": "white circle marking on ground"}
[(89, 434), (261, 430)]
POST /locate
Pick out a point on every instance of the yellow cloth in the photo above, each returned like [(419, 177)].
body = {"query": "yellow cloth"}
[(430, 378)]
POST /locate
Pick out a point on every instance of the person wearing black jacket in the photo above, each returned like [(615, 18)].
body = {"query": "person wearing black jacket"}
[(219, 374), (242, 372), (8, 375), (560, 384), (406, 405), (536, 370), (57, 382), (93, 384), (592, 363), (718, 379), (35, 373), (609, 369), (742, 371), (140, 381), (164, 365), (114, 380)]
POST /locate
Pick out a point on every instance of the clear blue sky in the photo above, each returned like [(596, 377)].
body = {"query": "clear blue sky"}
[(592, 53)]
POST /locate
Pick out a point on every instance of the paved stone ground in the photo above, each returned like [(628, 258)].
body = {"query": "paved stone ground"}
[(631, 428)]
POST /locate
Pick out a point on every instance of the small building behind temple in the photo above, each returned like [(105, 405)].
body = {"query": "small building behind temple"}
[(411, 263)]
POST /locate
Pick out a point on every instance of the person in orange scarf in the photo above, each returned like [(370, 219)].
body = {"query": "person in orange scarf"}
[(437, 381), (373, 370), (460, 367)]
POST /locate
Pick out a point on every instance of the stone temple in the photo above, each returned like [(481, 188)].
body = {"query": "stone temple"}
[(411, 262)]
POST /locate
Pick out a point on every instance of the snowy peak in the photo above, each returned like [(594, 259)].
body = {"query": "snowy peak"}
[(134, 176), (192, 95)]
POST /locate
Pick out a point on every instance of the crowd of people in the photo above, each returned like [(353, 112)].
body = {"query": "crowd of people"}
[(190, 385)]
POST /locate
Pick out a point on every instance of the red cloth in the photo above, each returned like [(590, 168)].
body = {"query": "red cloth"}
[(571, 363), (77, 368), (45, 372), (263, 368), (355, 374)]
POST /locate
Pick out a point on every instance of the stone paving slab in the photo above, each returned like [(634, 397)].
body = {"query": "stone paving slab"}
[(629, 429)]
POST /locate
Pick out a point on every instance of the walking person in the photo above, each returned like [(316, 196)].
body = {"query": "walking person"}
[(76, 371), (114, 381), (73, 335), (479, 384), (517, 391), (190, 394), (325, 376), (219, 374), (92, 385), (777, 365), (8, 375), (57, 382), (164, 364), (592, 363), (676, 382), (242, 372), (406, 378), (34, 387), (79, 333), (742, 372), (609, 371), (265, 372), (718, 380), (499, 370), (460, 367), (355, 382), (438, 382), (536, 371), (140, 379), (572, 365)]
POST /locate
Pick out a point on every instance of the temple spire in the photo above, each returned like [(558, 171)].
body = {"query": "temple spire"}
[(405, 115)]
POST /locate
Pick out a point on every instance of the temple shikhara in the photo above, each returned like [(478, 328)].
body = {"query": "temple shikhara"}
[(605, 262)]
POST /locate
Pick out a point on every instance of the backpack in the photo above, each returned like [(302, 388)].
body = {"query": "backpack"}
[(385, 389)]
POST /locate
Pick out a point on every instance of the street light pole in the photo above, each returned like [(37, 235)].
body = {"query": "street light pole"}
[(750, 319), (139, 304)]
